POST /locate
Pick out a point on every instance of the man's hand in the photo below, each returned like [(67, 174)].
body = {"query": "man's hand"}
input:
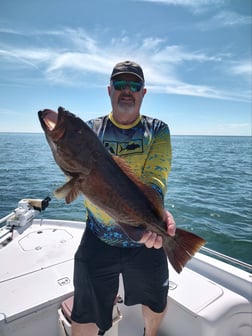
[(151, 239)]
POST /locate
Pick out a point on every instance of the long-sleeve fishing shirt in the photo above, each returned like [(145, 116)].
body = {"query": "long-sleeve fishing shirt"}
[(145, 145)]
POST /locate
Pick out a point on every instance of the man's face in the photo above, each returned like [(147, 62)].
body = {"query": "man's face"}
[(126, 103)]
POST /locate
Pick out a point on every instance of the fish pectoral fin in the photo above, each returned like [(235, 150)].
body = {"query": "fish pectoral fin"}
[(133, 232), (70, 191)]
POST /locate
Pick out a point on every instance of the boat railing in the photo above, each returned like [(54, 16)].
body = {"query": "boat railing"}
[(226, 258)]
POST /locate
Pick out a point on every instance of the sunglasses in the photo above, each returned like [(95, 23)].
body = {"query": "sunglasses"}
[(120, 85)]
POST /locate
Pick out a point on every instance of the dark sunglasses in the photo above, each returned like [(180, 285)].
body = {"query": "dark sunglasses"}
[(120, 85)]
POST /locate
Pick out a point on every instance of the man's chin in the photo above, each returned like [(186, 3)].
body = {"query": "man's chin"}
[(126, 109)]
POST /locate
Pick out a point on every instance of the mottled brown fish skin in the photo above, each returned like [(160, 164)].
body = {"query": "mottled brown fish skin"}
[(110, 184)]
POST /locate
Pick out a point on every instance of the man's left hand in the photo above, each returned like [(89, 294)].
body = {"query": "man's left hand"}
[(151, 239)]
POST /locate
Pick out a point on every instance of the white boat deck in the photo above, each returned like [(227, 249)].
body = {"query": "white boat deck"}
[(209, 297)]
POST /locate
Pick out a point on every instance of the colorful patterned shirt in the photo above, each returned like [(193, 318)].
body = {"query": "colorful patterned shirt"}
[(145, 145)]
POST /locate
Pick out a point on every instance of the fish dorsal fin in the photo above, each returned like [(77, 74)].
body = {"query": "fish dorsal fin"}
[(149, 192), (69, 191)]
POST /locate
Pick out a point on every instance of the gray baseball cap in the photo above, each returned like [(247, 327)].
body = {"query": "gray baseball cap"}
[(128, 67)]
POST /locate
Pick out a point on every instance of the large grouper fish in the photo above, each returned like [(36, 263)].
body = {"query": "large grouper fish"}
[(109, 183)]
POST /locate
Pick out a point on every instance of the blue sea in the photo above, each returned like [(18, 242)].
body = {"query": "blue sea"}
[(209, 189)]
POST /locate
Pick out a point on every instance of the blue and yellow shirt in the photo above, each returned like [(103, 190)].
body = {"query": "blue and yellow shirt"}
[(145, 145)]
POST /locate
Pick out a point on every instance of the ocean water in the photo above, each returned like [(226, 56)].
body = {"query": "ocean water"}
[(209, 188)]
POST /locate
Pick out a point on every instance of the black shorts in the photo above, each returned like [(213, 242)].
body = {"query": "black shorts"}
[(96, 279)]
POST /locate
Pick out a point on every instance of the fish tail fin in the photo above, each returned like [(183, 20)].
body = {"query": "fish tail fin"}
[(181, 248)]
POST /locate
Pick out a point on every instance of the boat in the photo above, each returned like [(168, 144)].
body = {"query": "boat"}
[(212, 296)]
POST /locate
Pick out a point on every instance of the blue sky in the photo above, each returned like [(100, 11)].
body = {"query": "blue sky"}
[(196, 56)]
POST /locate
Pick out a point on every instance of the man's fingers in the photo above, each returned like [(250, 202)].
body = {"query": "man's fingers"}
[(158, 243), (171, 225), (151, 239)]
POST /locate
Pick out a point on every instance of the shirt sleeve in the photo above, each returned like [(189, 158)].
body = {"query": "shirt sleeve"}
[(158, 161)]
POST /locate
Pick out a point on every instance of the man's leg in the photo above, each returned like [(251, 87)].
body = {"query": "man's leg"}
[(152, 321), (96, 282), (84, 329), (145, 275)]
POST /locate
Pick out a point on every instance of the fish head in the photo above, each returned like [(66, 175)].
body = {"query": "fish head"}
[(67, 134)]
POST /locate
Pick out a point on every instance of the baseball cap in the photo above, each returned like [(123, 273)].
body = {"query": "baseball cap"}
[(128, 67)]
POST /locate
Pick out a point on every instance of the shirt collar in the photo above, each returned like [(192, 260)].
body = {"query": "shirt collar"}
[(128, 126)]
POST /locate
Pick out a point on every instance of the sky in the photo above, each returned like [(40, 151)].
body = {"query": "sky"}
[(195, 54)]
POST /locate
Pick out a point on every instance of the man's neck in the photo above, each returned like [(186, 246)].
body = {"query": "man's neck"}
[(124, 123)]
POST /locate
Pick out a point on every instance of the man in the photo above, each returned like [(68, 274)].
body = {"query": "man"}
[(105, 250)]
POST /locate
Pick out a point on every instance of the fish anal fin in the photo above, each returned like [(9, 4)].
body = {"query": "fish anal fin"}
[(69, 191), (148, 191), (134, 232)]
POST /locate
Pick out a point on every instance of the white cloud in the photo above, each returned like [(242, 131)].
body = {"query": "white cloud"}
[(224, 19), (187, 89), (73, 55), (188, 3), (242, 68), (196, 6), (178, 54), (228, 18)]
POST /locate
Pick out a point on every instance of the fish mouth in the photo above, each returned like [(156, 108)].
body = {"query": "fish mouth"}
[(48, 119), (52, 122)]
